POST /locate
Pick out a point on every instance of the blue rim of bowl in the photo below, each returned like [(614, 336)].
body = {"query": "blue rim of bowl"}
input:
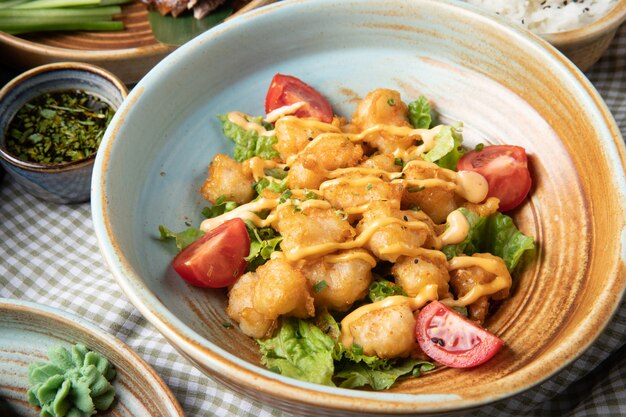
[(254, 376), (34, 72)]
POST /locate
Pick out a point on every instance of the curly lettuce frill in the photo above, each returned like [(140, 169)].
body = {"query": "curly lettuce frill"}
[(75, 383)]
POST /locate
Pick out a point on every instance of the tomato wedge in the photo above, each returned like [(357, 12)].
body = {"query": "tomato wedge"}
[(505, 168), (451, 339), (215, 260), (286, 90)]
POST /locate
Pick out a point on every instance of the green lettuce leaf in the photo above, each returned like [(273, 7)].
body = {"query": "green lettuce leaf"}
[(310, 351), (299, 350), (358, 369), (506, 241), (191, 234), (182, 239), (358, 374), (249, 143), (220, 207), (496, 234), (447, 150), (263, 241), (419, 113)]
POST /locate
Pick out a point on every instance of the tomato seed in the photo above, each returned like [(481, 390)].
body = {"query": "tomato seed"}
[(438, 341)]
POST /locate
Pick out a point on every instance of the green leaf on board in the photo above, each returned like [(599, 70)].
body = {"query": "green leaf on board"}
[(178, 30)]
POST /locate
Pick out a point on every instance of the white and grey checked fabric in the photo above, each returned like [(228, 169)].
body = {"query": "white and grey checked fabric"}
[(49, 254)]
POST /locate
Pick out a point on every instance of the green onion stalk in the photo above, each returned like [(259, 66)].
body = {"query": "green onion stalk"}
[(23, 16)]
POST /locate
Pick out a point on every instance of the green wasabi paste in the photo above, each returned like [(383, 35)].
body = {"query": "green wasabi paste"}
[(74, 383)]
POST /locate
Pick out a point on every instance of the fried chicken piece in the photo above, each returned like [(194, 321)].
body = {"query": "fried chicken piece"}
[(345, 281), (282, 290), (241, 308), (393, 240), (323, 155), (386, 332), (436, 201), (383, 106), (313, 226), (463, 280), (413, 274), (228, 179)]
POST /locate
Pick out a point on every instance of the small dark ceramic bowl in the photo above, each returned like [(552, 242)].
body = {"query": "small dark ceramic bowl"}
[(60, 183)]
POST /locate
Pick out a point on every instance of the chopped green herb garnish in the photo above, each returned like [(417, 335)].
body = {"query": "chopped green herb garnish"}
[(285, 196), (227, 324), (272, 185), (381, 289), (58, 127), (399, 162), (277, 173), (319, 286), (462, 310), (310, 195), (391, 102), (415, 189), (479, 147), (368, 187)]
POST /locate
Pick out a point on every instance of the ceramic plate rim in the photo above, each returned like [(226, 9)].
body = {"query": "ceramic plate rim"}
[(65, 318)]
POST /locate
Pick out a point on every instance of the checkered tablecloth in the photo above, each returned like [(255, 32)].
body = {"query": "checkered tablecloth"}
[(49, 254)]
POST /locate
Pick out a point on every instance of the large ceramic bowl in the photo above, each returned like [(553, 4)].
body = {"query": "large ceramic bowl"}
[(506, 85)]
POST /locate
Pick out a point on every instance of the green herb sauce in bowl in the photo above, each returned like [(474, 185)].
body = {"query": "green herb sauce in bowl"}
[(52, 119), (58, 127)]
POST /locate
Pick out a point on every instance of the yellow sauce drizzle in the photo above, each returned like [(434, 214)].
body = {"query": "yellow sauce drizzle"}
[(276, 114), (256, 166), (490, 264), (471, 186), (349, 256), (458, 228), (240, 120), (402, 250), (244, 212), (353, 182), (358, 242), (310, 123)]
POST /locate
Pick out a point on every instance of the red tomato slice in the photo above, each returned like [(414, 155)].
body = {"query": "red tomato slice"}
[(286, 90), (215, 260), (451, 339), (506, 169)]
